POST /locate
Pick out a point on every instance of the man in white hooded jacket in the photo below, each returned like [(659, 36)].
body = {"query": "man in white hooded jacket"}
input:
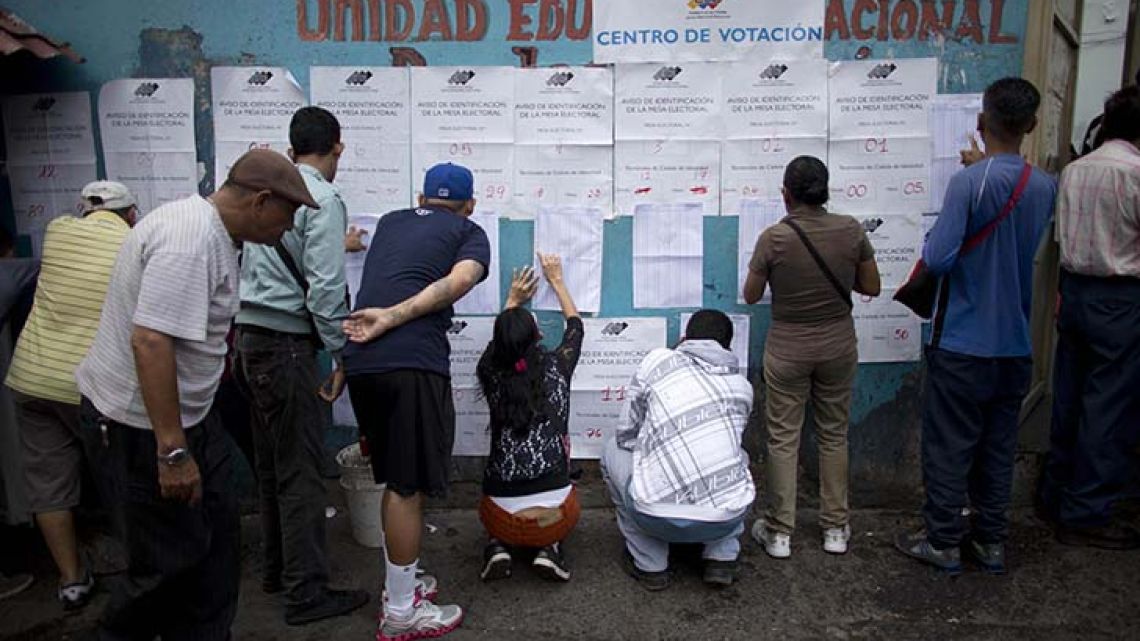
[(675, 469)]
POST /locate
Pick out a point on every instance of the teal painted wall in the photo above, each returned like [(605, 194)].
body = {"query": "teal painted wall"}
[(977, 42)]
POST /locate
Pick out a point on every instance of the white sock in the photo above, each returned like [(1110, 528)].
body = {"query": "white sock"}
[(400, 582)]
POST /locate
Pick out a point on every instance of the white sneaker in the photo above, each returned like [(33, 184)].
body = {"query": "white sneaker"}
[(427, 620), (835, 539), (427, 589), (776, 544)]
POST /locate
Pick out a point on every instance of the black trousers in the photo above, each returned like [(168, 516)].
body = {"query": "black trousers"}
[(1096, 402), (289, 423), (969, 439), (184, 561)]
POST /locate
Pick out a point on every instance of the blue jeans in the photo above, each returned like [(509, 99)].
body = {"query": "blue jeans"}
[(969, 439), (1096, 407), (648, 537)]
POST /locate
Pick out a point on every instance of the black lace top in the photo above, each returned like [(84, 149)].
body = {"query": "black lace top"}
[(538, 460)]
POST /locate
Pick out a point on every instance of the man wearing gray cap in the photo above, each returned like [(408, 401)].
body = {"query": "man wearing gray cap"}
[(148, 386), (77, 257)]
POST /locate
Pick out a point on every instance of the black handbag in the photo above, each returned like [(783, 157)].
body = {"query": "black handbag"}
[(921, 287)]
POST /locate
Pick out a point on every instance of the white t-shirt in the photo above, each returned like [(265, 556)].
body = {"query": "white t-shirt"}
[(177, 273)]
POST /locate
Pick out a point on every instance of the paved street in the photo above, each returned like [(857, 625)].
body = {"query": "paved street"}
[(1053, 592)]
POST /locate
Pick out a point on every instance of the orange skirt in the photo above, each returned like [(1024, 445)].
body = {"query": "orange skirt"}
[(550, 526)]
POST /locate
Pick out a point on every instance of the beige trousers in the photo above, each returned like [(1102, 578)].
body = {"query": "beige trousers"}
[(791, 385)]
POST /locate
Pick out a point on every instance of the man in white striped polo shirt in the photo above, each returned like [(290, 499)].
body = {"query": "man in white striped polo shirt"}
[(148, 385)]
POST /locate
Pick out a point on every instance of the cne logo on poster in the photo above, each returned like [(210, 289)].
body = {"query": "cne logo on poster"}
[(259, 78), (146, 89), (358, 78)]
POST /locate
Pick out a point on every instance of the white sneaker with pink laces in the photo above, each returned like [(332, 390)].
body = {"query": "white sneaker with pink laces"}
[(427, 621)]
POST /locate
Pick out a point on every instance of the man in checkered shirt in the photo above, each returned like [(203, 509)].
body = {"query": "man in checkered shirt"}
[(675, 469), (1096, 408)]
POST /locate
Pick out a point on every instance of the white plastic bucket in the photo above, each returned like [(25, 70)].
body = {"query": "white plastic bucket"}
[(362, 494)]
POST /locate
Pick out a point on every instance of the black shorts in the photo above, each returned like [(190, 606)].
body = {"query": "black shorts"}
[(409, 420)]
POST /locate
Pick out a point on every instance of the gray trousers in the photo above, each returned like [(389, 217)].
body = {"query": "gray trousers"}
[(648, 537), (289, 423)]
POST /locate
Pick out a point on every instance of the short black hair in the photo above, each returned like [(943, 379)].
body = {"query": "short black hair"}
[(1122, 115), (805, 179), (710, 324), (1009, 106), (313, 130)]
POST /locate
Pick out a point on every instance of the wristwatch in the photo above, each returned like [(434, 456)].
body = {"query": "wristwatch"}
[(177, 456)]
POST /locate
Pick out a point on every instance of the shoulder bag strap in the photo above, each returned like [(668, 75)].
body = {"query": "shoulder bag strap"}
[(985, 232), (844, 295), (291, 265), (303, 283)]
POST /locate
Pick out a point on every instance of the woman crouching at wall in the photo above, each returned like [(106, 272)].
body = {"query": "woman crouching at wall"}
[(528, 501)]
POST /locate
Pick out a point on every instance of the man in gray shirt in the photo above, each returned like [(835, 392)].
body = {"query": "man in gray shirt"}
[(148, 385)]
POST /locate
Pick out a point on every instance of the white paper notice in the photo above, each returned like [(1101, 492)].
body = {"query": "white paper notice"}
[(756, 216), (873, 99), (887, 332), (493, 166), (564, 105), (668, 255), (953, 121), (593, 417), (882, 175), (372, 106), (375, 176), (668, 102), (562, 175), (147, 128), (612, 350), (147, 114), (155, 178), (371, 103), (472, 420), (484, 297), (50, 157), (741, 328), (354, 261), (49, 129), (897, 239), (254, 103), (575, 234), (252, 107), (775, 99), (656, 30), (667, 171), (468, 337), (43, 192), (463, 104), (227, 152), (754, 169)]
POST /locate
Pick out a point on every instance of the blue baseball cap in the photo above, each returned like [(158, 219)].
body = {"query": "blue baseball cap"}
[(449, 182)]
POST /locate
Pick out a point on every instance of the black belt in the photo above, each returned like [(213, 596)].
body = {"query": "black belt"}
[(273, 333)]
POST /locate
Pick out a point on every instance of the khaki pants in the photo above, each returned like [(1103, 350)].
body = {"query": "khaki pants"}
[(827, 384)]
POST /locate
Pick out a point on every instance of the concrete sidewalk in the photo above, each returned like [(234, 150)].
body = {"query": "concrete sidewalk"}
[(1053, 592)]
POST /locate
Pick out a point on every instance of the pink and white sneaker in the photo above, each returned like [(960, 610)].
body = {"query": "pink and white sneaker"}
[(427, 589), (427, 621)]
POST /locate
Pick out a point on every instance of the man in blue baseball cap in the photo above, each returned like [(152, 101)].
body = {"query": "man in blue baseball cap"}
[(421, 261)]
